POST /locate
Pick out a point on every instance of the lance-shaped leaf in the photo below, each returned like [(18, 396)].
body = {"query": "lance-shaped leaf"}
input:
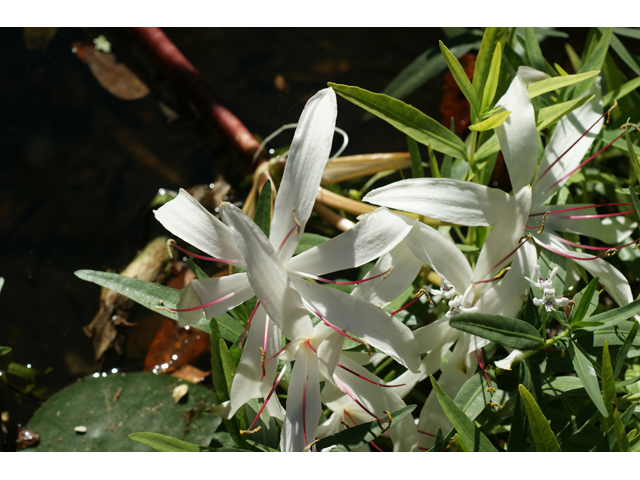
[(543, 436), (587, 375), (621, 91), (4, 350), (491, 85), (355, 437), (533, 50), (491, 122), (615, 316), (262, 216), (164, 443), (554, 83), (485, 65), (633, 160), (462, 80), (585, 301), (622, 353), (547, 116), (506, 331), (471, 435), (405, 118)]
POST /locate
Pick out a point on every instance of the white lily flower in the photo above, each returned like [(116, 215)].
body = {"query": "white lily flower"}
[(467, 203), (277, 277)]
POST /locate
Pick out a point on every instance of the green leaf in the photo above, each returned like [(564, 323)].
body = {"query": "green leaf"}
[(621, 91), (533, 50), (462, 80), (113, 406), (543, 436), (622, 441), (416, 161), (554, 83), (487, 55), (633, 159), (163, 443), (228, 365), (624, 350), (473, 396), (405, 118), (263, 208), (594, 62), (608, 385), (547, 116), (624, 54), (491, 122), (635, 200), (355, 437), (460, 444), (147, 294), (309, 240), (610, 439), (4, 350), (587, 376), (615, 316), (491, 84), (470, 434), (506, 331), (585, 301), (577, 423)]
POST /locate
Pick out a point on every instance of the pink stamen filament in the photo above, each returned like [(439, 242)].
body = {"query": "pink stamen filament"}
[(346, 390), (408, 304), (329, 324), (480, 359), (579, 208), (602, 215), (335, 282), (366, 379), (203, 257), (279, 352), (582, 259), (221, 299), (295, 227), (304, 409), (355, 424), (588, 247), (554, 184), (427, 433), (264, 344), (266, 400), (499, 263), (246, 327), (573, 145)]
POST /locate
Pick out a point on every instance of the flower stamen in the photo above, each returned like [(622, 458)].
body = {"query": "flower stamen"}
[(266, 400), (295, 220), (421, 292), (190, 309), (384, 274), (246, 327), (172, 243), (346, 390)]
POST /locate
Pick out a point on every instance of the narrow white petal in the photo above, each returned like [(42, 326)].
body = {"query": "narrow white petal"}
[(437, 251), (531, 75), (329, 348), (383, 290), (247, 381), (455, 201), (308, 156), (372, 237), (518, 136), (506, 362), (503, 238), (267, 276), (303, 400), (186, 218), (568, 130), (363, 320), (201, 292)]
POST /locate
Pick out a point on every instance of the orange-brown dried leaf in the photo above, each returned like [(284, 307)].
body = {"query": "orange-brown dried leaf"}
[(174, 346), (191, 374)]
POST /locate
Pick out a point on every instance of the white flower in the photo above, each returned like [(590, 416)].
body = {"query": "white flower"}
[(543, 283)]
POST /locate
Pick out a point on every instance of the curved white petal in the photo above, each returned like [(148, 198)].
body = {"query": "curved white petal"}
[(329, 348), (506, 362), (440, 253), (308, 156), (518, 135), (186, 218), (303, 403), (371, 237), (267, 276), (455, 201), (531, 75), (247, 381), (201, 292), (568, 131), (363, 320), (503, 238), (383, 290)]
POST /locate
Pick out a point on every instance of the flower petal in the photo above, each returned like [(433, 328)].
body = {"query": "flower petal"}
[(308, 156), (568, 130), (186, 218), (609, 230), (247, 381), (362, 319), (371, 237), (518, 135), (201, 292), (455, 201), (267, 276), (383, 290), (506, 362), (303, 400)]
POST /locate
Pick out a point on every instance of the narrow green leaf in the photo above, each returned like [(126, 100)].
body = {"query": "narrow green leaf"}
[(594, 62), (547, 116), (405, 118), (519, 433), (460, 76), (485, 59), (506, 331), (543, 436), (622, 440), (438, 445), (587, 375), (608, 385), (488, 148), (532, 48), (577, 423), (491, 122), (473, 396), (554, 83), (624, 350), (263, 208), (491, 85), (633, 159), (460, 444), (416, 161), (228, 365), (355, 437), (4, 350), (610, 439), (624, 54), (621, 91), (615, 316), (470, 434), (163, 443), (585, 301)]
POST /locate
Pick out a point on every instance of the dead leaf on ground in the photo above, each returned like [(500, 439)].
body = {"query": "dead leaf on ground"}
[(26, 438), (190, 374)]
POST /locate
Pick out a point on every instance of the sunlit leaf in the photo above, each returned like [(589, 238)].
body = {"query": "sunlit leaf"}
[(547, 116), (460, 76), (491, 84), (621, 91), (585, 302), (506, 331), (491, 122), (555, 83), (263, 209), (543, 436)]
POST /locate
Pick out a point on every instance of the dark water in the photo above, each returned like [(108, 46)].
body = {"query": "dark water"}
[(74, 195)]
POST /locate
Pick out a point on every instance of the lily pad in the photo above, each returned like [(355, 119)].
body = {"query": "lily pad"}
[(115, 406)]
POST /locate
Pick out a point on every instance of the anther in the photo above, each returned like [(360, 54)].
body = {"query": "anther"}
[(295, 220), (637, 244), (366, 345), (544, 217), (491, 404), (502, 273), (262, 357), (491, 390), (346, 425), (611, 252), (170, 243), (158, 307), (310, 445), (615, 104), (568, 308), (388, 426), (388, 273), (242, 432)]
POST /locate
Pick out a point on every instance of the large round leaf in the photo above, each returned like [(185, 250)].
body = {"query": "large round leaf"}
[(114, 406)]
